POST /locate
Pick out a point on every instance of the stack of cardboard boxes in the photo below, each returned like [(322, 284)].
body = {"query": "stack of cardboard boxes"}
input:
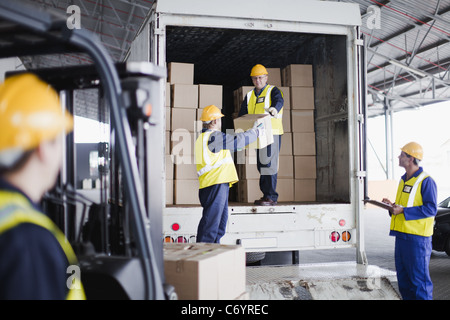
[(297, 162), (184, 104), (205, 271), (299, 78)]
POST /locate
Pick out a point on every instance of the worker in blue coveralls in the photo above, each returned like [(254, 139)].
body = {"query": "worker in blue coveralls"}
[(216, 171), (266, 99), (412, 218)]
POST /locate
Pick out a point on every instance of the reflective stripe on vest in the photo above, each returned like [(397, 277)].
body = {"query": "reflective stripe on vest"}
[(255, 107), (15, 209), (213, 168), (408, 196)]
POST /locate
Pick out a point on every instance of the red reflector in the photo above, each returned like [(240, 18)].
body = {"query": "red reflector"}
[(181, 239), (342, 222), (175, 227), (335, 236)]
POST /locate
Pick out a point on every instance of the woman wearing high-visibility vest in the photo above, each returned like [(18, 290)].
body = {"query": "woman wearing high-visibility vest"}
[(412, 218), (36, 260), (266, 99), (216, 171)]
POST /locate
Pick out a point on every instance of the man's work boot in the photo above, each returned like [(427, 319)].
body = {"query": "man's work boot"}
[(264, 201)]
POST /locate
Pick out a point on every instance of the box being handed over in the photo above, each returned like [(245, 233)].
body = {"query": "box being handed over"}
[(247, 121), (205, 271)]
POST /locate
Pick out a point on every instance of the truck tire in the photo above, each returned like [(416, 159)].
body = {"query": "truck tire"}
[(252, 257), (447, 246)]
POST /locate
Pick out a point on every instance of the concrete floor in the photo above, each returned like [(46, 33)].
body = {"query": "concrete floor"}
[(379, 251)]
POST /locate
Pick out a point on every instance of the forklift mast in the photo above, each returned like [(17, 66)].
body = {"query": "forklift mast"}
[(118, 236)]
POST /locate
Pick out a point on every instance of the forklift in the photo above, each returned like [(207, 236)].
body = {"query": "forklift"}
[(116, 234)]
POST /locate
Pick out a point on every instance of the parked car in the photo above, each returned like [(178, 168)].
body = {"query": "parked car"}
[(441, 235)]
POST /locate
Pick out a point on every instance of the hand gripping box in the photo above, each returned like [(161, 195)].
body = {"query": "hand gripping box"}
[(205, 271), (247, 122)]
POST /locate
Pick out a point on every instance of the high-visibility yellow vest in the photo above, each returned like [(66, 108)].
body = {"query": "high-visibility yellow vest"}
[(409, 195), (261, 105), (213, 168), (16, 209)]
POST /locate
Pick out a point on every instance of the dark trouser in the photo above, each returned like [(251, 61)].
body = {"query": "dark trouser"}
[(412, 259), (267, 164), (214, 200)]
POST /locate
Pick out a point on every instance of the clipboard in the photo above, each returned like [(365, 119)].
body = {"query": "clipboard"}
[(379, 204)]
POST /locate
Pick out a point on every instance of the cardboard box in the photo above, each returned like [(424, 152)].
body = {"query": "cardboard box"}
[(185, 170), (297, 75), (286, 97), (249, 191), (305, 167), (248, 171), (286, 119), (304, 143), (285, 190), (169, 167), (168, 118), (185, 96), (247, 121), (182, 144), (168, 94), (302, 120), (245, 161), (209, 94), (274, 76), (302, 98), (168, 146), (186, 192), (285, 167), (169, 191), (184, 118), (286, 144), (205, 271), (180, 73), (305, 190), (239, 96)]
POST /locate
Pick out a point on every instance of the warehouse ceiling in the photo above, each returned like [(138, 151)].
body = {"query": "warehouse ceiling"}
[(408, 52), (407, 41)]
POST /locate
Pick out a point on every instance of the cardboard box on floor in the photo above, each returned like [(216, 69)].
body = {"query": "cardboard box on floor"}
[(247, 122), (205, 271)]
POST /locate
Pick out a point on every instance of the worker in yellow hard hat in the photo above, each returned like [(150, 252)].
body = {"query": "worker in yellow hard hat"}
[(34, 253), (412, 218), (266, 99), (216, 171)]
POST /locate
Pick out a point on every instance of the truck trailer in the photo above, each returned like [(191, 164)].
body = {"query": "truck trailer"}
[(223, 40)]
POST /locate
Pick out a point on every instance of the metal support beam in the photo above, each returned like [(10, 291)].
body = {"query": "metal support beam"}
[(388, 123)]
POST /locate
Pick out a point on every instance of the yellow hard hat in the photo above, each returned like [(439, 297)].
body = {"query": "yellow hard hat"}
[(30, 112), (258, 70), (413, 149), (210, 113)]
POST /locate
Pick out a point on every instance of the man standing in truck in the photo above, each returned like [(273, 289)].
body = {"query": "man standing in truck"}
[(412, 218), (216, 171), (266, 99)]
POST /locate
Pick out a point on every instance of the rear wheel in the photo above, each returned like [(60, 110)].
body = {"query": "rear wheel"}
[(447, 246)]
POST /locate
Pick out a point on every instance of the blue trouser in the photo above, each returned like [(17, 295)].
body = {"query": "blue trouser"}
[(267, 164), (412, 260), (214, 200)]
